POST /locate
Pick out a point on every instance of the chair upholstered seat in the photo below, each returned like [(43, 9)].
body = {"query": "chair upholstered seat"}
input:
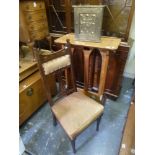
[(75, 112)]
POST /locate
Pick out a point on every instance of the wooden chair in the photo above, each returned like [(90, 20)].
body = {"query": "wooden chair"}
[(71, 108)]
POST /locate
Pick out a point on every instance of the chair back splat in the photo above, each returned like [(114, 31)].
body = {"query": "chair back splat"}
[(59, 65)]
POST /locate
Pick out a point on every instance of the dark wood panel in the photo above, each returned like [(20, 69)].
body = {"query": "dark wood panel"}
[(94, 70), (78, 64), (68, 15), (116, 66)]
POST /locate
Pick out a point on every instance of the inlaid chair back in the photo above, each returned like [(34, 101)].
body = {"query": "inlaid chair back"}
[(58, 64)]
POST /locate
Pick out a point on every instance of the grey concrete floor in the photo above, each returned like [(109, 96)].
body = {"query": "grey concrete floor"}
[(42, 138)]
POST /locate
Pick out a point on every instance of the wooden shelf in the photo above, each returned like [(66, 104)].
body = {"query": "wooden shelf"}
[(26, 69)]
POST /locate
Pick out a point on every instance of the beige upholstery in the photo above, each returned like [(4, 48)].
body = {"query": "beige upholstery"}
[(56, 64), (75, 112), (45, 52)]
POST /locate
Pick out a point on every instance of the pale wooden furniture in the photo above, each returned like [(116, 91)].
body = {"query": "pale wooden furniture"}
[(107, 43), (31, 91), (33, 25), (27, 67), (95, 59), (71, 108), (35, 18), (128, 139)]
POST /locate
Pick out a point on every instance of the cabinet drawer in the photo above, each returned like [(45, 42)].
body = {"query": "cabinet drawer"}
[(32, 95), (37, 25), (33, 6), (39, 15), (40, 34)]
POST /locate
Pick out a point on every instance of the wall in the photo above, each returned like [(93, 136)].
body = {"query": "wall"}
[(130, 64)]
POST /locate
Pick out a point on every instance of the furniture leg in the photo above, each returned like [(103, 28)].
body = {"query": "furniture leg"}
[(49, 41), (98, 123), (73, 145), (54, 120), (28, 152), (103, 99)]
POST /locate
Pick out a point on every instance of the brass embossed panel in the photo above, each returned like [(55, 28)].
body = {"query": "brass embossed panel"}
[(88, 22)]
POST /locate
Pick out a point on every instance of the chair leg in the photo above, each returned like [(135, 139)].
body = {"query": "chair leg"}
[(98, 123), (73, 145), (54, 120), (104, 98)]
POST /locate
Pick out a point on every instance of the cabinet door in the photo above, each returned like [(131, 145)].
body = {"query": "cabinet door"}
[(32, 95), (56, 10), (116, 66)]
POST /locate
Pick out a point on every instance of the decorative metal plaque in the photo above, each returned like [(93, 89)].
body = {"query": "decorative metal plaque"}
[(88, 22)]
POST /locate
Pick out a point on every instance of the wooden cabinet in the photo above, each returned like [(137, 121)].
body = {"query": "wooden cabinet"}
[(115, 71), (98, 66), (33, 5), (23, 30), (33, 26), (59, 15), (33, 21), (32, 95)]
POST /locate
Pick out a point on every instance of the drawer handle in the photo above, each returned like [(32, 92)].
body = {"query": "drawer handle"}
[(30, 92)]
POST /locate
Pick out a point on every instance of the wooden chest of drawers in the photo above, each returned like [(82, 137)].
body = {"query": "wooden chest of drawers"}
[(34, 14), (33, 5)]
